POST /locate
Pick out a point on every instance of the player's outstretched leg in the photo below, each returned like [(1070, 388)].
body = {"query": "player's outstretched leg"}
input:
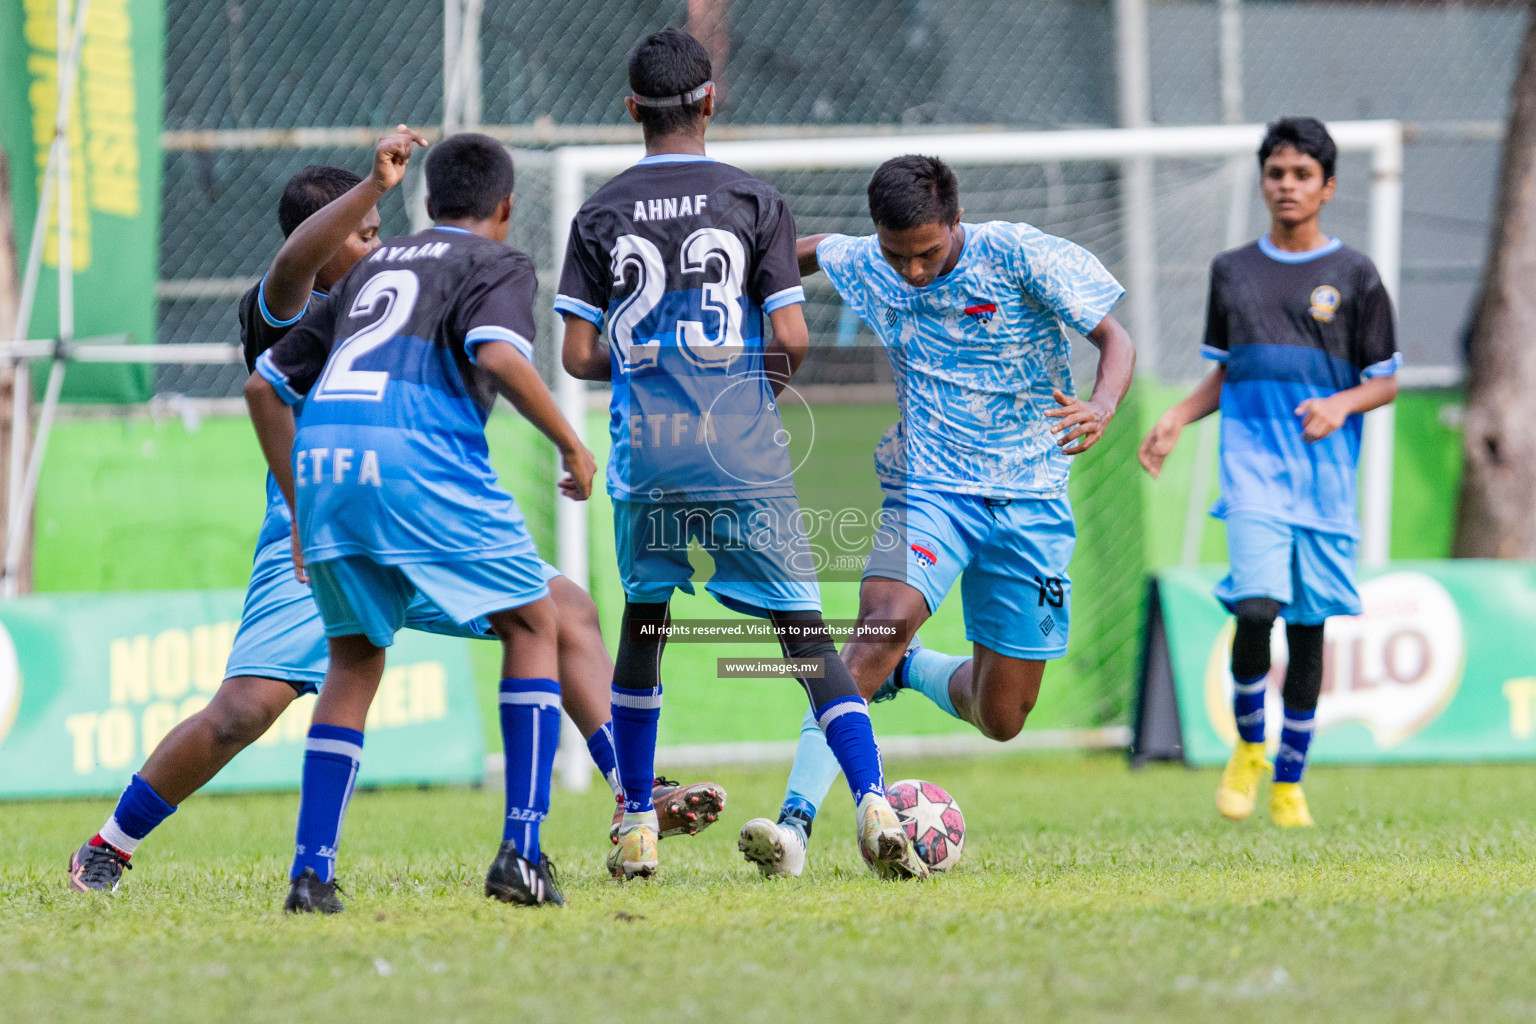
[(180, 765), (530, 733), (1239, 787), (843, 716), (586, 680), (332, 754), (636, 711), (778, 847), (1303, 687)]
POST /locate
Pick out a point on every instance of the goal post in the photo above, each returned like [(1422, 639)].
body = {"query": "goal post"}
[(1211, 149)]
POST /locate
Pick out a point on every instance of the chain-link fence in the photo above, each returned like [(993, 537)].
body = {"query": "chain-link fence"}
[(551, 69), (242, 73)]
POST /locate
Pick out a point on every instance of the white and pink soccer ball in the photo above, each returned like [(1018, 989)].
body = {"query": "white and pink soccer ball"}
[(932, 819)]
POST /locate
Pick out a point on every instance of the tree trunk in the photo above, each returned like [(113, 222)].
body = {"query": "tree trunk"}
[(1497, 514)]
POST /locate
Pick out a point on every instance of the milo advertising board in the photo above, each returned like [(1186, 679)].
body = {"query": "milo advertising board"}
[(1441, 666)]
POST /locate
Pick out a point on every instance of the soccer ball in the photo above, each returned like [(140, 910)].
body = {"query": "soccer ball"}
[(932, 819)]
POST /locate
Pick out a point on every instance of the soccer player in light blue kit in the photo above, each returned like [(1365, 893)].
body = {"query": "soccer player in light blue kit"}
[(394, 497), (973, 318)]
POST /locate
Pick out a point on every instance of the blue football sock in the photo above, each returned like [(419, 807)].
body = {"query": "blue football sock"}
[(331, 757), (606, 757), (1295, 738), (138, 811), (845, 723), (929, 671), (812, 774), (1248, 708), (635, 717), (530, 734)]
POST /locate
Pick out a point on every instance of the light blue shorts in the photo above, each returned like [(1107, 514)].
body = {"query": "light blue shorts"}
[(282, 636), (763, 561), (1011, 557), (358, 596), (1311, 573)]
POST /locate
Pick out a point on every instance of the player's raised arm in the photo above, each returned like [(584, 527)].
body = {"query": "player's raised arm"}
[(805, 253), (316, 241), (520, 384)]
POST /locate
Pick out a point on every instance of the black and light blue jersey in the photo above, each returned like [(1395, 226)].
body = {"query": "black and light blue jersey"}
[(390, 460), (682, 258), (1288, 327)]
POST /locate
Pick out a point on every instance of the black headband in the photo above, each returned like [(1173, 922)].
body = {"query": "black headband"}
[(691, 96)]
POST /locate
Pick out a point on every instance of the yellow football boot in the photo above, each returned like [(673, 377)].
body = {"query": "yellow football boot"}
[(1239, 787), (634, 855), (883, 840), (1288, 806)]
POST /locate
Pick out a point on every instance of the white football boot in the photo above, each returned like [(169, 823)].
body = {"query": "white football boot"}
[(776, 848)]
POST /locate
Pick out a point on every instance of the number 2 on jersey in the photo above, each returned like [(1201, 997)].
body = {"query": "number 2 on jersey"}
[(397, 290), (702, 251)]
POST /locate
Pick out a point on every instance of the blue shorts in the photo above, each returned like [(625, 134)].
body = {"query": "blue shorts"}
[(763, 560), (1311, 573), (358, 596), (282, 636), (1011, 557)]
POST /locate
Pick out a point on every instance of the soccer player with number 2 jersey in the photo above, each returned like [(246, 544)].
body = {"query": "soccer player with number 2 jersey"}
[(328, 217), (394, 497)]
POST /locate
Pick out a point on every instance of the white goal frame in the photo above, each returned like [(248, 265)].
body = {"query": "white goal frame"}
[(1382, 140)]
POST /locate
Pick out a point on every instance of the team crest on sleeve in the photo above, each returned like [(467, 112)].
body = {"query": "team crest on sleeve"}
[(1325, 303), (925, 557), (981, 312)]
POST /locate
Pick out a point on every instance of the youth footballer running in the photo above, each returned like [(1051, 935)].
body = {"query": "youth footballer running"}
[(329, 220), (973, 317), (1300, 329), (683, 258)]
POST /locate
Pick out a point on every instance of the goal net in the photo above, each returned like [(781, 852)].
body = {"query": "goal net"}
[(1155, 205)]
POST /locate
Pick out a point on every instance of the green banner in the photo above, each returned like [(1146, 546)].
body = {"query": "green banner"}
[(89, 685), (1440, 667), (114, 145)]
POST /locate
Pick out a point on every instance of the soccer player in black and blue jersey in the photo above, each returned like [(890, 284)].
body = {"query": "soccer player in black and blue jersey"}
[(1300, 328), (329, 219), (395, 503), (684, 258)]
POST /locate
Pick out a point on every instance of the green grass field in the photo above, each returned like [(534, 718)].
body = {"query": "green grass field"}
[(1088, 892)]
